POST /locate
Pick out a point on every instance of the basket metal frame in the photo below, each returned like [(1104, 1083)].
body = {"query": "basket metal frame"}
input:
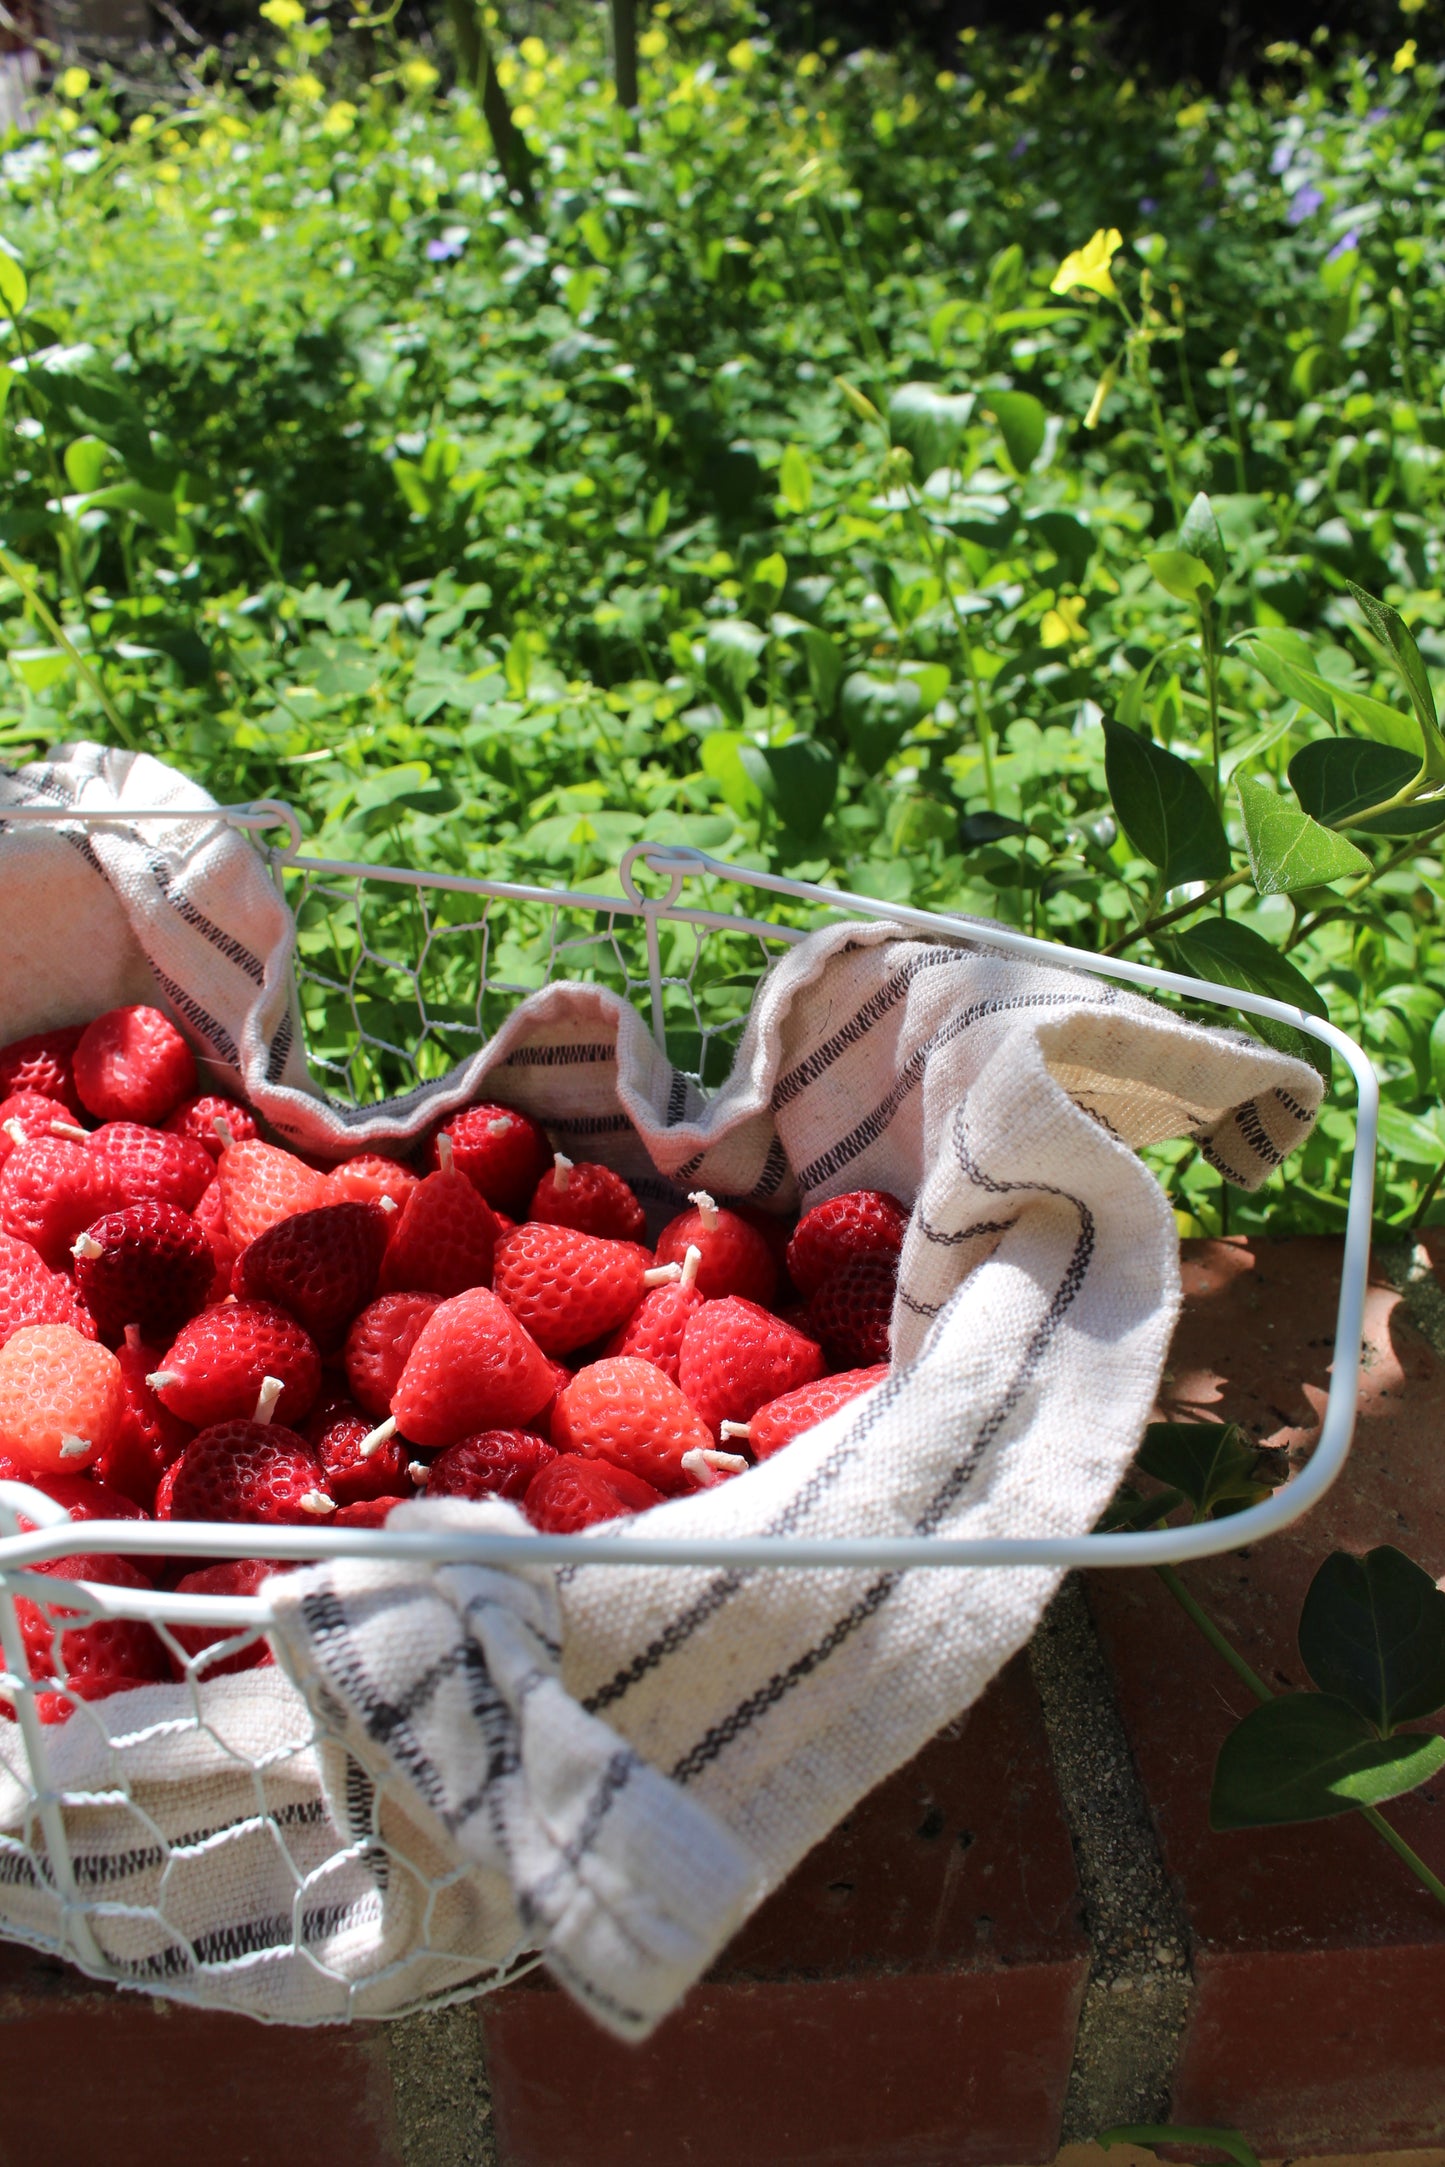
[(53, 1533)]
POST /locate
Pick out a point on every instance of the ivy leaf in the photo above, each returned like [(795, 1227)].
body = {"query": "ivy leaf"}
[(1022, 423), (1235, 955), (1389, 626), (1307, 1756), (1164, 808), (1200, 537), (1286, 660), (1372, 1632), (877, 713), (1214, 1464), (1338, 778), (1130, 1510), (1288, 850), (929, 423)]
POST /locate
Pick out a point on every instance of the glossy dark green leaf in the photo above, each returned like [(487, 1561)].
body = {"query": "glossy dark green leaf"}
[(1235, 955), (1199, 535), (1164, 808), (1022, 424), (877, 713), (1213, 1464), (930, 423), (1389, 626), (1287, 849), (1180, 573), (1068, 536), (799, 778), (825, 667), (1286, 660), (1338, 778), (1308, 1756), (1129, 1510), (1372, 1632), (976, 829), (731, 654)]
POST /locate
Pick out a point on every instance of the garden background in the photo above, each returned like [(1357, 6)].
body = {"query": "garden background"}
[(948, 474)]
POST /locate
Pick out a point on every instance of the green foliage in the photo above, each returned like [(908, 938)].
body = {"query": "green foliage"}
[(801, 482)]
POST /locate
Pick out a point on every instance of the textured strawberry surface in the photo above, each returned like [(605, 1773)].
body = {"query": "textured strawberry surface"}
[(61, 1398), (150, 1437), (27, 1113), (233, 1576), (154, 1271), (864, 1223), (572, 1493), (148, 1166), (378, 1344), (736, 1357), (210, 1216), (108, 1656), (31, 1293), (590, 1198), (43, 1063), (320, 1266), (261, 1184), (196, 1118), (783, 1419), (83, 1496), (132, 1064), (473, 1367), (444, 1240), (626, 1411), (216, 1364), (494, 1463), (251, 1471), (736, 1259), (52, 1190), (366, 1512), (654, 1330), (568, 1288), (337, 1430), (502, 1153), (852, 1312), (367, 1179)]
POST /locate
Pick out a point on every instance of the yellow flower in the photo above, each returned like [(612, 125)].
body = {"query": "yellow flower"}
[(308, 87), (534, 82), (168, 171), (524, 115), (143, 124), (1061, 626), (534, 52), (1089, 266), (418, 74), (652, 44), (74, 83), (285, 14), (743, 55), (339, 119), (1411, 7), (1193, 116), (507, 71), (945, 79), (810, 64), (68, 119), (1404, 60)]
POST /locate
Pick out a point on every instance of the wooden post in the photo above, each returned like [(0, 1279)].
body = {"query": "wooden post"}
[(474, 64), (624, 51)]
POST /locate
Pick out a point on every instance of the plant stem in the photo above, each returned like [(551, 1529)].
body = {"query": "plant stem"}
[(1251, 1678), (1151, 926), (1427, 1198), (62, 639), (983, 720)]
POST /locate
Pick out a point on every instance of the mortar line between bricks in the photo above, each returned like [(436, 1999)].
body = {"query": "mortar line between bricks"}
[(1405, 1265), (441, 2098), (1139, 1987)]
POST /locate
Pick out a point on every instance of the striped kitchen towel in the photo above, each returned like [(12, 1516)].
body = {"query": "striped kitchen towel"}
[(654, 1748)]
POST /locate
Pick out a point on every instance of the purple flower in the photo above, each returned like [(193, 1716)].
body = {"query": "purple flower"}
[(1303, 204), (449, 244), (1148, 205), (1344, 244), (1279, 158), (1377, 113), (1209, 178), (1021, 146)]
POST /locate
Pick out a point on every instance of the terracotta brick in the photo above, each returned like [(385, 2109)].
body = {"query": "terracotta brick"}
[(909, 1997), (1319, 2017), (89, 2074)]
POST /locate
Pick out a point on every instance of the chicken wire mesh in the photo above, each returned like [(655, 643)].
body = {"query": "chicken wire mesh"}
[(119, 1822)]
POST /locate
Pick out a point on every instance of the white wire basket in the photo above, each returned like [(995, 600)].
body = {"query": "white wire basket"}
[(400, 975)]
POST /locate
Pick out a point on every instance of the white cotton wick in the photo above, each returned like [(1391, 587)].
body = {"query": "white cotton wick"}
[(73, 1447), (561, 1168), (499, 1126), (691, 1265), (387, 1203), (133, 1338), (317, 1502), (744, 1430), (706, 1209), (71, 1130), (86, 1246), (446, 1156), (266, 1398), (708, 1468), (662, 1275), (418, 1471), (375, 1439), (223, 1130), (14, 1131), (160, 1380)]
